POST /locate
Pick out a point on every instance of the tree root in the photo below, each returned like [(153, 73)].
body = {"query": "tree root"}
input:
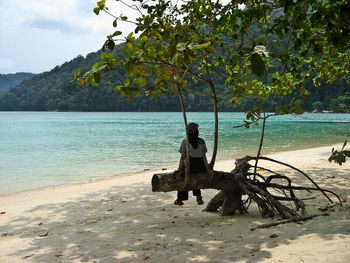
[(239, 182)]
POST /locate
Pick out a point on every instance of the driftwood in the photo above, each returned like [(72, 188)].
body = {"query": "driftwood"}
[(285, 221), (233, 185)]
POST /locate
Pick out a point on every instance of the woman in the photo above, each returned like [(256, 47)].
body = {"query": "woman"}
[(198, 161)]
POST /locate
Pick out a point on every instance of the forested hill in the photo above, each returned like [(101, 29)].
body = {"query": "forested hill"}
[(54, 91), (8, 81)]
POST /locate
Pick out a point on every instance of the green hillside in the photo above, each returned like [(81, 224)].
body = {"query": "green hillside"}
[(54, 91), (8, 81)]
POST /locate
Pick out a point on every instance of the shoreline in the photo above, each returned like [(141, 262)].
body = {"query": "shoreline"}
[(120, 219), (65, 191), (163, 169)]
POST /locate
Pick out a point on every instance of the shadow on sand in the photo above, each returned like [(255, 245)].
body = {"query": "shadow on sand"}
[(132, 224)]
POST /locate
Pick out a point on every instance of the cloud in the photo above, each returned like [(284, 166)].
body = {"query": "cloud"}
[(37, 35), (50, 24)]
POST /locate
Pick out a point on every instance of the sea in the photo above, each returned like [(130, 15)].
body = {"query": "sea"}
[(43, 149)]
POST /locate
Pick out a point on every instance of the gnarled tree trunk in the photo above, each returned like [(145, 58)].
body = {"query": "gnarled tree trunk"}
[(233, 185)]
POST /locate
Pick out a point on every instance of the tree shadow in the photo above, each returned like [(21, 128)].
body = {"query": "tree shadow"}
[(132, 224)]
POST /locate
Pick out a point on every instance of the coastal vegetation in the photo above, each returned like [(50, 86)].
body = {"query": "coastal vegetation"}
[(53, 91), (263, 48)]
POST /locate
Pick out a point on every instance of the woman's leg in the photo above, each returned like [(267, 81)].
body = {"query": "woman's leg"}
[(197, 193), (182, 195)]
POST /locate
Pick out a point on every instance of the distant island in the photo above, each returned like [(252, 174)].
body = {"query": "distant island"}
[(8, 81)]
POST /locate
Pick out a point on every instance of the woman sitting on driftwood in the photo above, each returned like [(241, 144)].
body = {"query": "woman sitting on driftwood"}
[(197, 160)]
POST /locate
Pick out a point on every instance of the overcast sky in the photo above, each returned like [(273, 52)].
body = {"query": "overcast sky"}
[(37, 35)]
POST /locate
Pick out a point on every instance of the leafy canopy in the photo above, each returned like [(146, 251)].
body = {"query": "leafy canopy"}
[(264, 48)]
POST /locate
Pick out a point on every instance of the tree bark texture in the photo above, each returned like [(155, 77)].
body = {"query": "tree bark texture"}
[(233, 185), (229, 198)]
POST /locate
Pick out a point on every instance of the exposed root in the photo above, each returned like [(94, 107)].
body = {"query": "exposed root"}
[(243, 181)]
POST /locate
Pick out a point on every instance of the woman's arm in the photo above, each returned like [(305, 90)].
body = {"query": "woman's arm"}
[(182, 162), (209, 170)]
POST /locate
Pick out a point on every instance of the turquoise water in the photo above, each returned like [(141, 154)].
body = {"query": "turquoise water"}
[(39, 149)]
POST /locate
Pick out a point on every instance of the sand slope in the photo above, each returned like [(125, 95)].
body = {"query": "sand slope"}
[(120, 220)]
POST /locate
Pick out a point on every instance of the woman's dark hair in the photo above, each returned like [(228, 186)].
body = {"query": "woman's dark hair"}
[(193, 139)]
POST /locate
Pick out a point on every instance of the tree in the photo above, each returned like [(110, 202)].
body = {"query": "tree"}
[(264, 48)]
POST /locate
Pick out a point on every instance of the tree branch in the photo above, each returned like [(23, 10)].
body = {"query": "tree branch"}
[(285, 221)]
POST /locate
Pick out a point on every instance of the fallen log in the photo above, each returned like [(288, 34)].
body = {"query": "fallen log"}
[(233, 185), (166, 182), (229, 199)]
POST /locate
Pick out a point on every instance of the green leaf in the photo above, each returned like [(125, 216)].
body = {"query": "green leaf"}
[(77, 73), (107, 57), (126, 53), (127, 82), (101, 4), (109, 44), (140, 81), (202, 46), (257, 64), (179, 59), (99, 66), (130, 92), (115, 23), (80, 81), (97, 78), (97, 10), (181, 46), (116, 33)]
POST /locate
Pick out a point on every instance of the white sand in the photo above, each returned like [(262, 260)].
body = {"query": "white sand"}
[(121, 220)]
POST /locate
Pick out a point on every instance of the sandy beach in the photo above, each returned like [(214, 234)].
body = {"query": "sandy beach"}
[(119, 219)]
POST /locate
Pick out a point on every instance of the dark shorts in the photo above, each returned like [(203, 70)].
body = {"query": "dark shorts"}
[(196, 166)]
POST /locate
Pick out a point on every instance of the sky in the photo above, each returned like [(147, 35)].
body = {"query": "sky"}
[(37, 35)]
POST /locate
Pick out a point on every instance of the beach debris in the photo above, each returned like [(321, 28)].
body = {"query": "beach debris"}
[(164, 169), (2, 213), (28, 256), (109, 210), (40, 224), (274, 235), (329, 207), (253, 251), (146, 257), (299, 219), (45, 234)]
